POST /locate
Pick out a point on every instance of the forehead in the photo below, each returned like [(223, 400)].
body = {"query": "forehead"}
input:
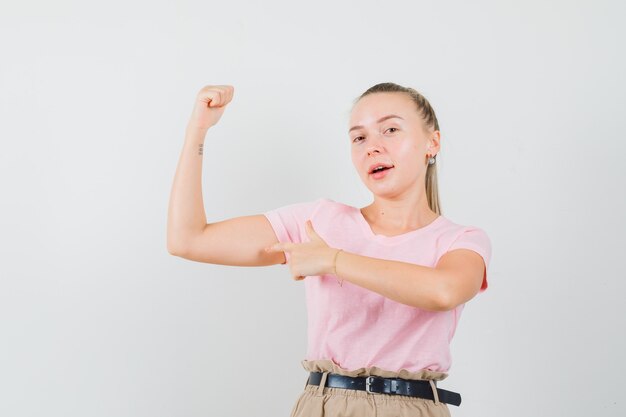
[(373, 106)]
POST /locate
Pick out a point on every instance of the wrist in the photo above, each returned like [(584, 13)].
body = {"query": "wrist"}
[(333, 266), (196, 131)]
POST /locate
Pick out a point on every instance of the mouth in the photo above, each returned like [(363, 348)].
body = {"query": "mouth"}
[(379, 167), (380, 173)]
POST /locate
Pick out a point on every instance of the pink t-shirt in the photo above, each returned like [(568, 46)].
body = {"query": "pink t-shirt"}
[(356, 327)]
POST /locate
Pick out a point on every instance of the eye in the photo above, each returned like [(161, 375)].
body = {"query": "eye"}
[(356, 139), (393, 128)]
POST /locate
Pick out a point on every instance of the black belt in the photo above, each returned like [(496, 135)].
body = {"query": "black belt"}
[(412, 387)]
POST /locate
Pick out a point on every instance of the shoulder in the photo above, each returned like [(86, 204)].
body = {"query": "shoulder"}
[(288, 221), (308, 209), (457, 236), (331, 204), (455, 230), (301, 207)]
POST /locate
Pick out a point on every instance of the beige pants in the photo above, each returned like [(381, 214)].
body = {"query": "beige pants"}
[(321, 401)]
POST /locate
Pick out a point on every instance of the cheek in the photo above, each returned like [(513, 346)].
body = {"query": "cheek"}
[(402, 153), (409, 149), (357, 163)]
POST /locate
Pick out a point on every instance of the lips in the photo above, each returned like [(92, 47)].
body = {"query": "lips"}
[(381, 173), (378, 164)]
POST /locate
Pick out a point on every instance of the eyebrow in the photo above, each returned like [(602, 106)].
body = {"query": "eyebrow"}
[(382, 119)]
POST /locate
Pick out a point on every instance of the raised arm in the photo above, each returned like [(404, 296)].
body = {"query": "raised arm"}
[(237, 241)]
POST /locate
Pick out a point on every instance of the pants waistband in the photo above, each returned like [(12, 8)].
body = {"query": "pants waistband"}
[(396, 386)]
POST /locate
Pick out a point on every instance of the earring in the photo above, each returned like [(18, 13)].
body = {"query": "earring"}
[(431, 160)]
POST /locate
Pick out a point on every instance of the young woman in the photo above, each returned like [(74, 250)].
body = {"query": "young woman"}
[(385, 284)]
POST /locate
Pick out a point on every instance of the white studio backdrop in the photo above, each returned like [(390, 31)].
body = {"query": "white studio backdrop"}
[(98, 319)]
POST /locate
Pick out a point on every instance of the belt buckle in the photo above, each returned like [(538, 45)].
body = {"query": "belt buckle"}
[(368, 383)]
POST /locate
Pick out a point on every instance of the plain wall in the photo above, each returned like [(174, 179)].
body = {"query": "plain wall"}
[(98, 319)]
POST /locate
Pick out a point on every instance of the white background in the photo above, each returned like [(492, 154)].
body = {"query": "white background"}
[(98, 319)]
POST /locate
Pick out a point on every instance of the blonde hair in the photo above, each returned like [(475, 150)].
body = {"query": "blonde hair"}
[(429, 118)]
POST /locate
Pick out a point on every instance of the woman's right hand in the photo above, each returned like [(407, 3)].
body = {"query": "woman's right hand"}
[(210, 104)]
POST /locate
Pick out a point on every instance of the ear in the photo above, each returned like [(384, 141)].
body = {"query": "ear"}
[(435, 143)]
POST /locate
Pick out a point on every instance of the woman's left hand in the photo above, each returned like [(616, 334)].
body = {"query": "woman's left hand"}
[(309, 258)]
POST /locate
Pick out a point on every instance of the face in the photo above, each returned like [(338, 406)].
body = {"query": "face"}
[(398, 141)]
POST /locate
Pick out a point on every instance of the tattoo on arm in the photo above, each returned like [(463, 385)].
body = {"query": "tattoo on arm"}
[(200, 149)]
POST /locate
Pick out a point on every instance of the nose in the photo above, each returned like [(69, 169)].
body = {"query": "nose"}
[(371, 150), (375, 145)]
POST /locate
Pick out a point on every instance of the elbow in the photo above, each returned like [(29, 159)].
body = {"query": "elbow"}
[(444, 300), (432, 296), (445, 305), (445, 296), (178, 244), (449, 300), (175, 249), (439, 301)]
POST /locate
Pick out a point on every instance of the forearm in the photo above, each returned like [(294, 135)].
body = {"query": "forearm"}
[(406, 283), (186, 215)]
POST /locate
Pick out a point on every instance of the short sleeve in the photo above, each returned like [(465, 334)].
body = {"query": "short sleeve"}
[(477, 240), (289, 221)]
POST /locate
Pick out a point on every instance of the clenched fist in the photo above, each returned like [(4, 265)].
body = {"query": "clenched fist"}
[(210, 104)]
